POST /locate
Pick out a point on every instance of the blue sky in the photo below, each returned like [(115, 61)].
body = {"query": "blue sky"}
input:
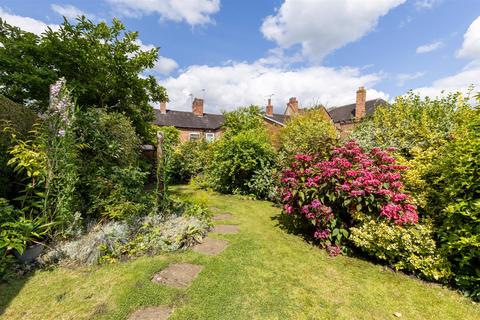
[(234, 53)]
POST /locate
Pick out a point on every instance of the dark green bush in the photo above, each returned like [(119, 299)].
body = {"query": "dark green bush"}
[(108, 165), (21, 120)]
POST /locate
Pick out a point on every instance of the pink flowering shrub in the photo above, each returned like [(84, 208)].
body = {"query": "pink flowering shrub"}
[(327, 193)]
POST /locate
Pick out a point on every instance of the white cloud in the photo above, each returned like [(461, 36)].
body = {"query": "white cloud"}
[(426, 4), (26, 23), (163, 65), (471, 41), (402, 78), (240, 84), (466, 78), (193, 12), (429, 47), (458, 82), (321, 26), (70, 11)]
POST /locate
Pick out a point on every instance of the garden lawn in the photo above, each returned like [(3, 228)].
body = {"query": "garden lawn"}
[(265, 273)]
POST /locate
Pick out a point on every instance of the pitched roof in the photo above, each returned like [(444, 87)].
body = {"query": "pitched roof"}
[(346, 113), (277, 118), (183, 119)]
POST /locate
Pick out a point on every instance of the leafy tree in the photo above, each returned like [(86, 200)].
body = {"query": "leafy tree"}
[(102, 64), (242, 119)]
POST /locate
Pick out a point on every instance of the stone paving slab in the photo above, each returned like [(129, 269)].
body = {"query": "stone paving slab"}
[(223, 216), (226, 228), (211, 246), (151, 313), (179, 275)]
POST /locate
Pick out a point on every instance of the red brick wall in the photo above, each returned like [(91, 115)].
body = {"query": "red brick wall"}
[(185, 133)]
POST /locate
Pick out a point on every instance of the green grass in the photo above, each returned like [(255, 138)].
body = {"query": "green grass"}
[(265, 273)]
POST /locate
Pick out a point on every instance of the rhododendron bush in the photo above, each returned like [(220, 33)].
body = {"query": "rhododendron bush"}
[(326, 193)]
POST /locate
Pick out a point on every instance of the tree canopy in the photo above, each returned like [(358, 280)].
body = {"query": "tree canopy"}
[(103, 64)]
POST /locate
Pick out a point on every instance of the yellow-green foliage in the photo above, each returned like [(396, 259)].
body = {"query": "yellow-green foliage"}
[(457, 203), (309, 133), (420, 165), (408, 248), (411, 122), (419, 129)]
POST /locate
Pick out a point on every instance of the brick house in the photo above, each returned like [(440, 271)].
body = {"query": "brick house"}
[(346, 117), (196, 125)]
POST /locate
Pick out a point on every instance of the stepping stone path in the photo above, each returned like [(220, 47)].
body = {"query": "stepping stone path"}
[(151, 313), (226, 228), (222, 216), (211, 246), (181, 275), (178, 275)]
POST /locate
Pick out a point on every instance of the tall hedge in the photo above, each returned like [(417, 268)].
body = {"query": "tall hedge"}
[(21, 120)]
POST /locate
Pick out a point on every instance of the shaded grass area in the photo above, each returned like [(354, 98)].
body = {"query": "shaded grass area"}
[(265, 273)]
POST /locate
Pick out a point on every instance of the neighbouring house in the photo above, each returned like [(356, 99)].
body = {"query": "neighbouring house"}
[(346, 117), (196, 125)]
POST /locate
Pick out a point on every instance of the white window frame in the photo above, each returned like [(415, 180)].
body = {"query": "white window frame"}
[(191, 134), (210, 136)]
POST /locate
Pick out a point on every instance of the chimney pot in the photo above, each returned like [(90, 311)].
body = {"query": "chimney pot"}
[(197, 107), (269, 108), (293, 105), (163, 107), (360, 107)]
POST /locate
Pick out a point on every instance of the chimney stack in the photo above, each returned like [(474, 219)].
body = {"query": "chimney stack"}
[(197, 107), (293, 105), (163, 107), (360, 106), (269, 108)]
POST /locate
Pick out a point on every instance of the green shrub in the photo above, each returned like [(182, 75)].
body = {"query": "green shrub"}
[(188, 160), (410, 122), (264, 184), (110, 180), (243, 119), (418, 128), (236, 159), (457, 203), (310, 133), (106, 139), (408, 248)]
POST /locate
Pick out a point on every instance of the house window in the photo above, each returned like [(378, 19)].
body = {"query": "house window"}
[(209, 136), (194, 136)]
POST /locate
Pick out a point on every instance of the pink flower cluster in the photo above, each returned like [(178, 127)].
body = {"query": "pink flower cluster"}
[(351, 180)]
